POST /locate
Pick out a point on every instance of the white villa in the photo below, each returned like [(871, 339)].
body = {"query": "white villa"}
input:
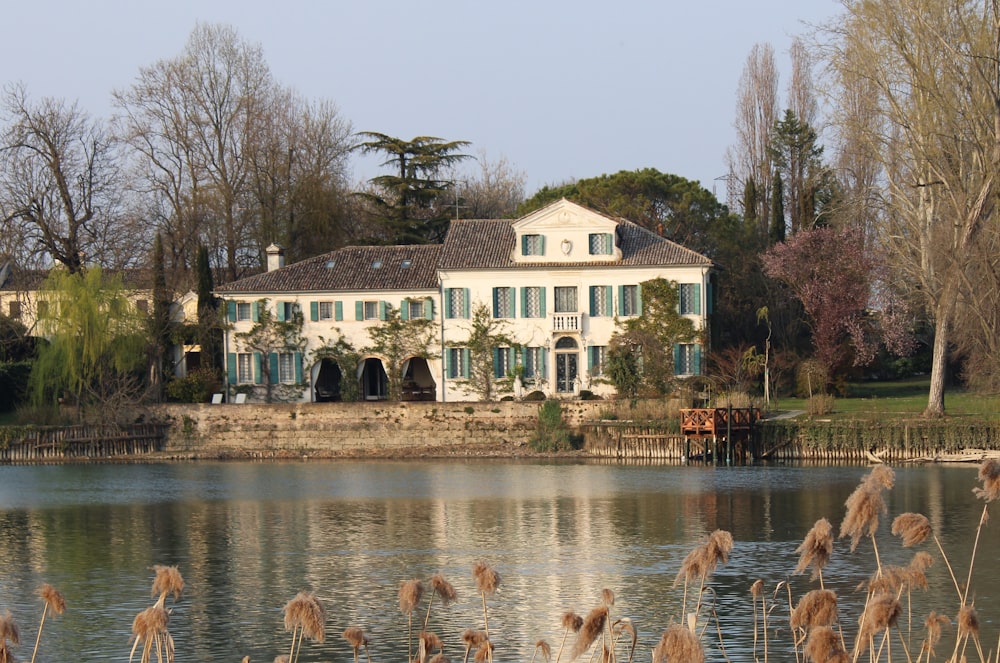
[(560, 277)]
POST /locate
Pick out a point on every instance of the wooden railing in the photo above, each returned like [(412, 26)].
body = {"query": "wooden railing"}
[(717, 422)]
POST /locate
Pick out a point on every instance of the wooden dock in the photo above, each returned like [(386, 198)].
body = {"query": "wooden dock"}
[(719, 433), (89, 442)]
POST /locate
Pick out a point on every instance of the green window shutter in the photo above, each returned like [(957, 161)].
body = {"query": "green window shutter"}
[(496, 363), (541, 301), (258, 373), (638, 299), (593, 301), (429, 308), (298, 367), (590, 358), (255, 310), (544, 369), (697, 298), (231, 364), (404, 310), (541, 241), (338, 310), (524, 245), (359, 310), (609, 242), (465, 362), (273, 364), (697, 359), (381, 310), (496, 303), (466, 310), (621, 300), (279, 311), (677, 357), (510, 306), (447, 362), (231, 306), (314, 311), (524, 303), (609, 302), (448, 313)]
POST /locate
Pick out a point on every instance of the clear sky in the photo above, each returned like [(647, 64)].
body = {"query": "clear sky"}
[(561, 89)]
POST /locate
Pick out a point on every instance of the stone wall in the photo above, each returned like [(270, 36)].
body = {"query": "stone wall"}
[(353, 428)]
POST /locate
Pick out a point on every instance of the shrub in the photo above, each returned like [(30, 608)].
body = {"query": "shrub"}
[(197, 387), (552, 434), (819, 405), (535, 396)]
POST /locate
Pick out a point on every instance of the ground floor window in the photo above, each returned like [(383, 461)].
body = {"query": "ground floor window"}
[(244, 368), (686, 359), (598, 355), (286, 367)]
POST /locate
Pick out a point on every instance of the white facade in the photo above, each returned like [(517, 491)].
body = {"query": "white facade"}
[(560, 279)]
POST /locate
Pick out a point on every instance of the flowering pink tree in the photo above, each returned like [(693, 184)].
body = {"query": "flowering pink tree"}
[(837, 279)]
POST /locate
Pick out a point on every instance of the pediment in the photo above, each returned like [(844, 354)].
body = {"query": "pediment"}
[(564, 215)]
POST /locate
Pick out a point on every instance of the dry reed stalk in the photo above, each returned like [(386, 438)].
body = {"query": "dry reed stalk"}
[(8, 633), (487, 581), (621, 627), (473, 639), (444, 590), (816, 549), (356, 637), (305, 617), (55, 603), (570, 622), (824, 646), (678, 645), (968, 627), (484, 653), (757, 592), (410, 593), (150, 627), (593, 626), (439, 658)]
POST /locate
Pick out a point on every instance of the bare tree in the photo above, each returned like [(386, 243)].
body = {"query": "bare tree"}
[(59, 183), (492, 192), (756, 114), (932, 66)]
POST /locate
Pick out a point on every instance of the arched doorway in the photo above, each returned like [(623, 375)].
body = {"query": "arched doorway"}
[(567, 361), (328, 380), (418, 381), (374, 381)]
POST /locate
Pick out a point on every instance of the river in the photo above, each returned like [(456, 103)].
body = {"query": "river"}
[(248, 536)]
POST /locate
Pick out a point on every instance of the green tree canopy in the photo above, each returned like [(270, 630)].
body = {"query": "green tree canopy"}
[(410, 201), (96, 342)]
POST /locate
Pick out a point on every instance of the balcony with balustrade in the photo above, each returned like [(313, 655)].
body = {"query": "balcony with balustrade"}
[(567, 322)]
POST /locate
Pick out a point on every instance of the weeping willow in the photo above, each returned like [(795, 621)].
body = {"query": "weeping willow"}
[(96, 342)]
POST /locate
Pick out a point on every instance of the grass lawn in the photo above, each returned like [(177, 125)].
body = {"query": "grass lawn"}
[(867, 400)]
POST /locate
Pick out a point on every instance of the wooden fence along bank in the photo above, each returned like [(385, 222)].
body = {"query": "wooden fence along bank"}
[(358, 429)]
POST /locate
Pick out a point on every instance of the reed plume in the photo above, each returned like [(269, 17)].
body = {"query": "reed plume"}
[(425, 643), (168, 580), (55, 603), (444, 590), (10, 636), (357, 639), (679, 645), (473, 640), (816, 549), (701, 562), (439, 658), (757, 592), (305, 617), (934, 624), (864, 507), (816, 608), (968, 627), (484, 653), (824, 646), (911, 528), (881, 613), (410, 593), (593, 626), (542, 647), (570, 622), (150, 628), (989, 475)]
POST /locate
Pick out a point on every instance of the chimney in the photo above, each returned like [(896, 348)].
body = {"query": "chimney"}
[(275, 257)]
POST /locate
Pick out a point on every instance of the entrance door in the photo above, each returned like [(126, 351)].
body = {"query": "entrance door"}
[(566, 365)]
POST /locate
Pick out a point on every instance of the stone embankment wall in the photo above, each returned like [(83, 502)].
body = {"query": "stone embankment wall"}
[(376, 428)]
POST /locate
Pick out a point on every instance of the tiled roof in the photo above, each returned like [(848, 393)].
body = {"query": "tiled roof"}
[(489, 244), (29, 280), (350, 268)]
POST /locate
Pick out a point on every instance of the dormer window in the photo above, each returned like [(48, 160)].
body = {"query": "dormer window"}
[(601, 244), (532, 245), (377, 264), (406, 264)]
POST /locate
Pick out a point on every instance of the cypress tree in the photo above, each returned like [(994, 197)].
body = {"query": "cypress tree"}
[(777, 225)]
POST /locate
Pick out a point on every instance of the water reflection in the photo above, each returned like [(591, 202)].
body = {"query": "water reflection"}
[(247, 537)]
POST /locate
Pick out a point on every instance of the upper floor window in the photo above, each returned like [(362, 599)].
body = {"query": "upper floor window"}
[(415, 309), (503, 302), (533, 302), (326, 310), (630, 300), (456, 302), (14, 310), (371, 311), (287, 310), (142, 305), (689, 299), (601, 244), (600, 301), (243, 311), (566, 299), (532, 245)]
